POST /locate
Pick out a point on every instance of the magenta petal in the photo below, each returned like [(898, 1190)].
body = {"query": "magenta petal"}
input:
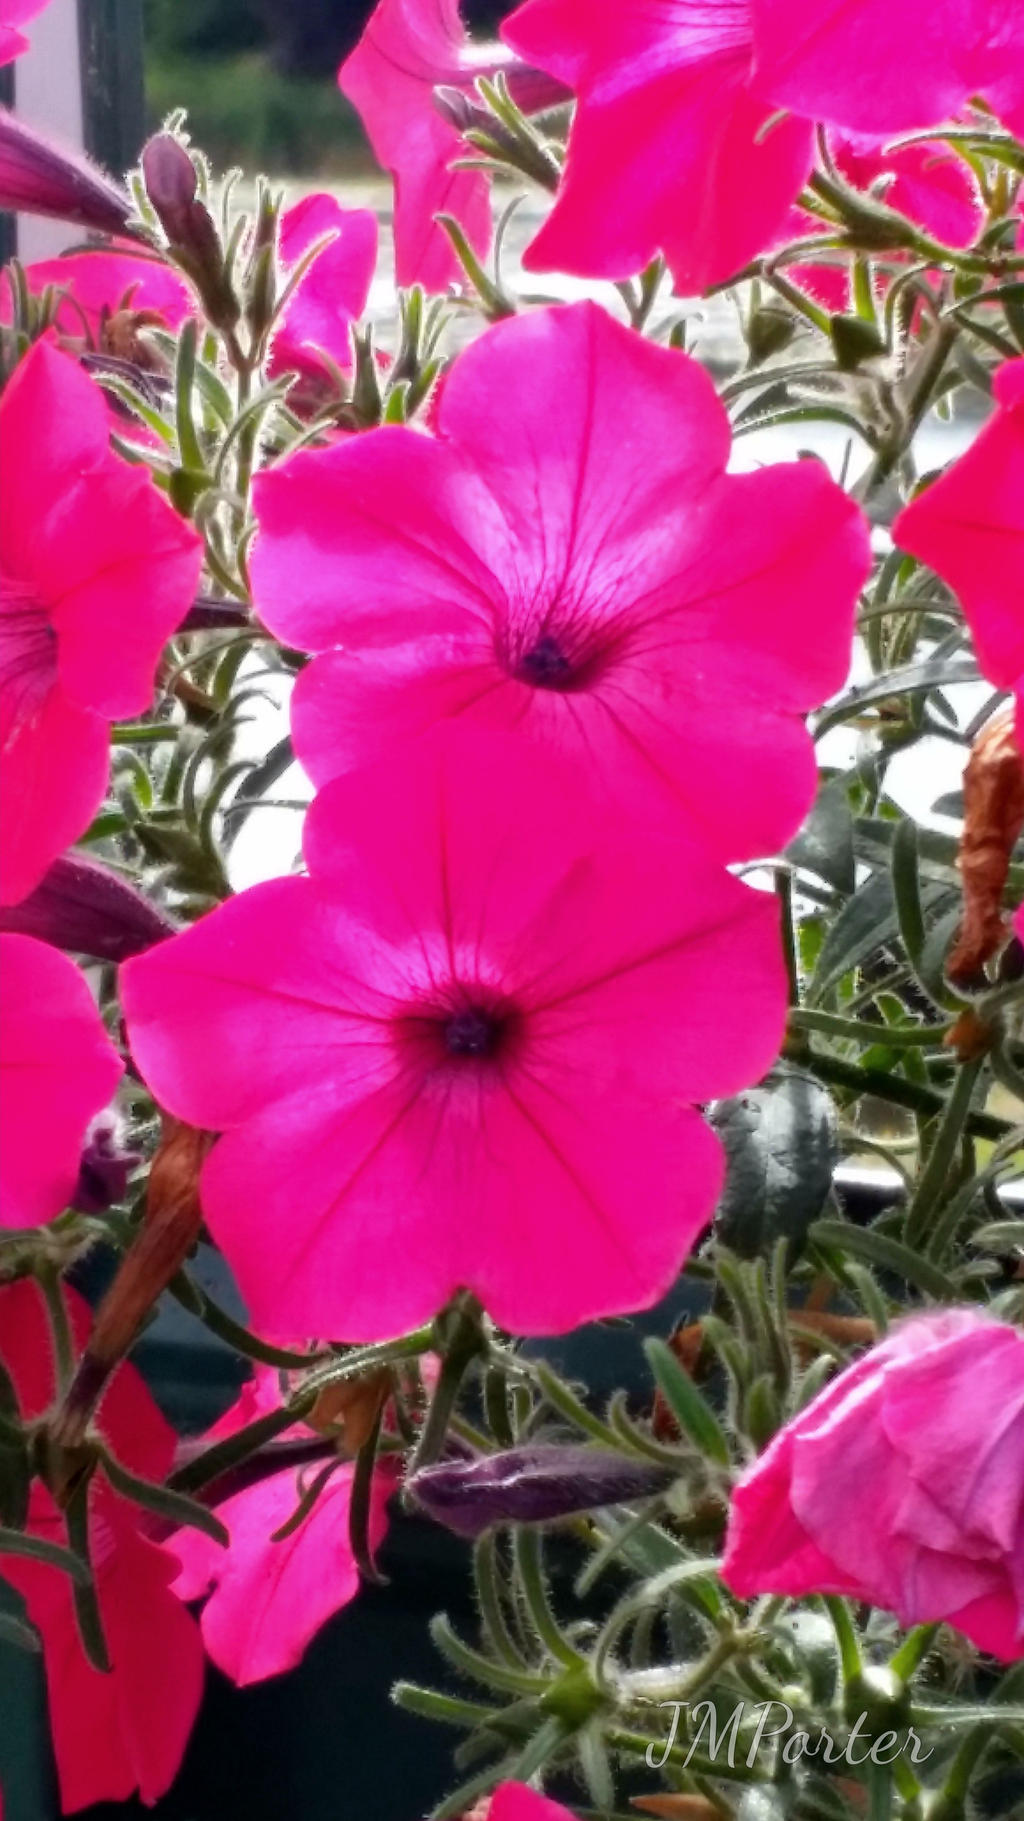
[(126, 1731), (514, 1802), (349, 708), (270, 1599), (53, 778), (397, 567), (637, 429), (383, 1241), (994, 1623), (258, 1017), (767, 1549), (969, 527), (332, 292), (59, 1068), (667, 149), (408, 48), (833, 61), (88, 539), (12, 14), (101, 283)]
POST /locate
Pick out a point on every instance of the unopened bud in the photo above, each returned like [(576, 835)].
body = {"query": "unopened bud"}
[(38, 178), (86, 909), (172, 185), (532, 1485), (463, 111)]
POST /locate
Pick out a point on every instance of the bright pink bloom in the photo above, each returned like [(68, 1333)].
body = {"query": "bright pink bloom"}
[(667, 151), (459, 1052), (57, 1068), (15, 13), (409, 48), (269, 1599), (569, 559), (514, 1802), (834, 61), (332, 293), (112, 1734), (969, 527), (901, 1483), (99, 285), (929, 183), (96, 572)]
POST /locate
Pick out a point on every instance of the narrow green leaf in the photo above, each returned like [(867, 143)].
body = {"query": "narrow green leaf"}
[(83, 1592), (189, 450), (888, 1254), (38, 1549), (906, 888), (174, 1507), (687, 1405)]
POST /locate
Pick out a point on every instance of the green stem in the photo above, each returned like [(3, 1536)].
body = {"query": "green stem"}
[(846, 1637), (911, 1652), (527, 1548), (862, 1031), (898, 1091), (48, 1279)]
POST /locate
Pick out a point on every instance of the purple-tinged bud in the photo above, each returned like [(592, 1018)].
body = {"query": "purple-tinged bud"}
[(534, 1485), (172, 185), (104, 1167), (463, 111), (39, 178), (84, 908)]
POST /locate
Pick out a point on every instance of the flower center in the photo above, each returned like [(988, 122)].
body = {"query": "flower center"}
[(471, 1032), (546, 665), (28, 657)]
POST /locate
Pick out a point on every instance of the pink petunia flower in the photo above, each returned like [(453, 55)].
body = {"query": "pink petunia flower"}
[(460, 1052), (57, 1068), (101, 287), (670, 149), (268, 1599), (969, 527), (115, 1733), (902, 1483), (834, 61), (409, 48), (13, 15), (928, 183), (568, 558), (332, 293), (96, 573)]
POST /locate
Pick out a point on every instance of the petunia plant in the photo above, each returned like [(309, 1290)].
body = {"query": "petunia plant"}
[(512, 830)]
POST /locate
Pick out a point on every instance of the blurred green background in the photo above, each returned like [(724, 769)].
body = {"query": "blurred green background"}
[(259, 79)]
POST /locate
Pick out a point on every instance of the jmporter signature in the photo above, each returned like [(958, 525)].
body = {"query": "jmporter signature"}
[(774, 1720)]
